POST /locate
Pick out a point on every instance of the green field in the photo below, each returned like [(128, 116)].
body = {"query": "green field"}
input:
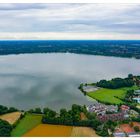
[(26, 124), (109, 95)]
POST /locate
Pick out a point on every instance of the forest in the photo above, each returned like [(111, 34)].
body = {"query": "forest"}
[(118, 48)]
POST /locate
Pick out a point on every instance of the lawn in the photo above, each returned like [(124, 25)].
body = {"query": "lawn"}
[(48, 130), (27, 123), (109, 95)]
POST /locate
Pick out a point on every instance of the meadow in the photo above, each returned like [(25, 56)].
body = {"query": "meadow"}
[(110, 95), (27, 123)]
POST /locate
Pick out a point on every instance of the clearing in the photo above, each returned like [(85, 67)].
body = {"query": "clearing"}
[(109, 95), (27, 123), (11, 117)]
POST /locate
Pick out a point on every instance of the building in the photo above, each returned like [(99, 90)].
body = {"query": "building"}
[(102, 109), (125, 108), (133, 113), (119, 133), (137, 99), (127, 129), (112, 117), (137, 92)]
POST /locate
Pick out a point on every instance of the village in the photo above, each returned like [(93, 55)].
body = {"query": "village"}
[(119, 113)]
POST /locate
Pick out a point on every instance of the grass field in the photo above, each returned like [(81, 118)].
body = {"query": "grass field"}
[(47, 130), (27, 123), (11, 117), (108, 95), (83, 132)]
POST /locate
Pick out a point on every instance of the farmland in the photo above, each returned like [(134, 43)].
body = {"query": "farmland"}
[(83, 132), (47, 130), (110, 95), (11, 117), (43, 130), (26, 124)]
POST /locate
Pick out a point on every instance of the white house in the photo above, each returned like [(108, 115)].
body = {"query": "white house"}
[(137, 99), (137, 92)]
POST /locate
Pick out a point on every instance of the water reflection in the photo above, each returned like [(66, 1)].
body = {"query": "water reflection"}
[(31, 80)]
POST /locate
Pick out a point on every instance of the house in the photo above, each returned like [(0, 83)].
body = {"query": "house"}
[(101, 109), (137, 99), (137, 92), (112, 117), (135, 135), (119, 133), (127, 129), (136, 124), (133, 113), (125, 108)]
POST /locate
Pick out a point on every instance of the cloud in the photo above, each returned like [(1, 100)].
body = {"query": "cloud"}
[(68, 19), (22, 6), (66, 36)]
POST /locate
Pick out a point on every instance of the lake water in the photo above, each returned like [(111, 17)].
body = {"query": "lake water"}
[(52, 80)]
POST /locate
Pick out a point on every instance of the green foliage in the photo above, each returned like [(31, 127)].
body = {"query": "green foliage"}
[(116, 83), (130, 76), (49, 113), (136, 128), (4, 109), (5, 128), (116, 48), (70, 117), (103, 132), (36, 110)]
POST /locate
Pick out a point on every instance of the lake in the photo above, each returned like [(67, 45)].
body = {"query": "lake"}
[(52, 80)]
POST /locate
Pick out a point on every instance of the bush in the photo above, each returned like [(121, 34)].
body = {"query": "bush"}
[(4, 109), (136, 128), (115, 83), (5, 128)]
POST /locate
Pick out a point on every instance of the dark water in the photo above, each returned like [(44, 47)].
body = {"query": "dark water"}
[(39, 80)]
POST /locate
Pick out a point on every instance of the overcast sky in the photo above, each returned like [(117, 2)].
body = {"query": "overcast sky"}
[(69, 21)]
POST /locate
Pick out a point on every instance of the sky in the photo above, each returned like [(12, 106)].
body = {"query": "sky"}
[(69, 21)]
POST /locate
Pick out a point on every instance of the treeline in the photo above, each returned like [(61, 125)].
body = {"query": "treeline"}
[(5, 128), (70, 117), (4, 109), (116, 83), (103, 47)]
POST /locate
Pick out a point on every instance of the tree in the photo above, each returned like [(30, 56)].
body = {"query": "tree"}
[(95, 123), (49, 113), (37, 110), (63, 112), (5, 128), (12, 109), (136, 128), (130, 76), (3, 109)]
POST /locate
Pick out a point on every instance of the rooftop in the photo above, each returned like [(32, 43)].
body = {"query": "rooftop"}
[(127, 128)]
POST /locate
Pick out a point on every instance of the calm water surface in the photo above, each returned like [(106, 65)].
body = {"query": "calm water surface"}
[(39, 80)]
